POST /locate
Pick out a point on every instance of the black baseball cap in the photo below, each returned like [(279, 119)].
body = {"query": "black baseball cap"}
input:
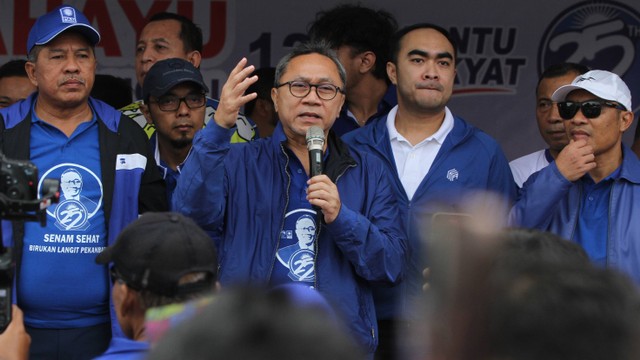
[(155, 251), (167, 73)]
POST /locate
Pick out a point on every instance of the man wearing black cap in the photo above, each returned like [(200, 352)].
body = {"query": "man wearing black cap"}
[(170, 35), (64, 295), (175, 96), (159, 259)]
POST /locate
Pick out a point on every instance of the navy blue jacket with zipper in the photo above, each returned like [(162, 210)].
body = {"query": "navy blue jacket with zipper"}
[(239, 194)]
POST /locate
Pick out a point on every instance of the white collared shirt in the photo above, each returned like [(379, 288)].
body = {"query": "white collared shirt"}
[(413, 162)]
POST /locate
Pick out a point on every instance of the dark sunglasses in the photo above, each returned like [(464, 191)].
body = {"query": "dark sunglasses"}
[(590, 109)]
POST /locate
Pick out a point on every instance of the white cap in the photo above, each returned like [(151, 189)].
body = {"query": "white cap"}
[(603, 84)]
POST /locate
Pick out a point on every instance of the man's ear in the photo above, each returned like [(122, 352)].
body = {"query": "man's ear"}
[(144, 108), (195, 58), (626, 121), (30, 68), (391, 72), (367, 62), (131, 304), (274, 98)]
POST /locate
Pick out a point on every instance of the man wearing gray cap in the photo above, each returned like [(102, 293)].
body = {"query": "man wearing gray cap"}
[(175, 96), (590, 194), (64, 295)]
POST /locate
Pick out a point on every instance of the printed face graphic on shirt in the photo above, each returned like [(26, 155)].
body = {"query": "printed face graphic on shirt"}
[(71, 183), (306, 231), (81, 196), (299, 258)]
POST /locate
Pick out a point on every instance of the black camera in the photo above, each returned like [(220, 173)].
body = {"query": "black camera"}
[(19, 201)]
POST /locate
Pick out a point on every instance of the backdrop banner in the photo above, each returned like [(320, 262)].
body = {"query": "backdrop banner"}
[(502, 46)]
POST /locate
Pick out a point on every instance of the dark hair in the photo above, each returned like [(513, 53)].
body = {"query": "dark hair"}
[(397, 38), (557, 311), (529, 245), (13, 68), (306, 48), (252, 324), (262, 87), (190, 33), (113, 90), (557, 70), (361, 28), (547, 301)]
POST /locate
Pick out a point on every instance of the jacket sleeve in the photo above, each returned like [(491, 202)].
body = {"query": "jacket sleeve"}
[(539, 198), (373, 244), (501, 179), (200, 192), (153, 194)]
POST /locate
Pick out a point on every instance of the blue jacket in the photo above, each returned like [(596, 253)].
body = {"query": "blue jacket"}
[(345, 123), (129, 189), (550, 202), (239, 194), (479, 164)]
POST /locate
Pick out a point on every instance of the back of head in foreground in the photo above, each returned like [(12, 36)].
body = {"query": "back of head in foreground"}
[(161, 258), (555, 310), (251, 324)]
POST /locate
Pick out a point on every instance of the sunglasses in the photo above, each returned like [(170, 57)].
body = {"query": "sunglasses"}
[(590, 109)]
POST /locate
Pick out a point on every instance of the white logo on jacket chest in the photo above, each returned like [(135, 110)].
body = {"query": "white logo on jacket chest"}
[(452, 175)]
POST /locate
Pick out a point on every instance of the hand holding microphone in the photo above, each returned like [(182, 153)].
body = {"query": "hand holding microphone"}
[(315, 145), (322, 193)]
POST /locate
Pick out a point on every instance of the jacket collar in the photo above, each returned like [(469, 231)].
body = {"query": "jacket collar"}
[(339, 155), (109, 116), (377, 135), (630, 168)]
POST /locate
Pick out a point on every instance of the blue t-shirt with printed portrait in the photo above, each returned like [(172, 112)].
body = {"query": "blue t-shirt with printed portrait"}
[(295, 257), (60, 285)]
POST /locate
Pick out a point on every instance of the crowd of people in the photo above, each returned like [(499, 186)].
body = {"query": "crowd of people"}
[(192, 227)]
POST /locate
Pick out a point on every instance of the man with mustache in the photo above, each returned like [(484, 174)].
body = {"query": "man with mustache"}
[(550, 123), (174, 95), (589, 193), (436, 159), (103, 158), (169, 35), (250, 196)]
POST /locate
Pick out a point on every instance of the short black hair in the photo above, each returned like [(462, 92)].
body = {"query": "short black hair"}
[(13, 68), (113, 90), (560, 311), (561, 69), (190, 33), (526, 245), (262, 87), (252, 324), (397, 38), (362, 28)]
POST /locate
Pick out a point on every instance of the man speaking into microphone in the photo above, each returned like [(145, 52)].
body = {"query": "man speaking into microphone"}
[(257, 200)]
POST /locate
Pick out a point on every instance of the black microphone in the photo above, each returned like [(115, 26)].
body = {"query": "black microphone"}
[(315, 144)]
